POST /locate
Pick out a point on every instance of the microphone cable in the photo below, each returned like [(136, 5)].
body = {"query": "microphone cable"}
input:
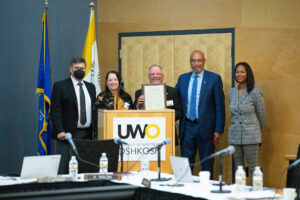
[(279, 182), (87, 162), (135, 162)]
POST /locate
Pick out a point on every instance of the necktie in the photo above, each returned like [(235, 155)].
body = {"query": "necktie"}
[(193, 108), (82, 105)]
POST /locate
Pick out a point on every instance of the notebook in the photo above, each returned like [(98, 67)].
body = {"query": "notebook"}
[(181, 169), (40, 166)]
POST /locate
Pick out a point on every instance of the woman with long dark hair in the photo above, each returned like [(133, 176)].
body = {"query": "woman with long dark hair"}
[(113, 97), (247, 108)]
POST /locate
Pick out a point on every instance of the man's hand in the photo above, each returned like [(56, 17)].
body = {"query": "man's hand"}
[(61, 136), (217, 136), (140, 102)]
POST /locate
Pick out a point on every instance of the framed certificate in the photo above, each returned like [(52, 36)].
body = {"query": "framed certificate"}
[(155, 96)]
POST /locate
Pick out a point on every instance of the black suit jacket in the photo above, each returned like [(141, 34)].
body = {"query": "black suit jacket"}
[(64, 110)]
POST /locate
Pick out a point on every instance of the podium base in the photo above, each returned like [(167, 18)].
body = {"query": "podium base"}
[(220, 191), (160, 179)]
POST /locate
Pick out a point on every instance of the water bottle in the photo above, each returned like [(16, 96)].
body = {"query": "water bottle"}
[(145, 167), (240, 179), (257, 179), (73, 167), (103, 164)]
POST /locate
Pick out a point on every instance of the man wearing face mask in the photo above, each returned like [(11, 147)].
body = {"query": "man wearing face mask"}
[(71, 110)]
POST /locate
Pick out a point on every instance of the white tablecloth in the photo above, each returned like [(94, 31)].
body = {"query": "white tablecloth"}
[(197, 190)]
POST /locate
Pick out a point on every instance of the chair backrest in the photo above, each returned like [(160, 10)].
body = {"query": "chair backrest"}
[(91, 150), (296, 173), (298, 154)]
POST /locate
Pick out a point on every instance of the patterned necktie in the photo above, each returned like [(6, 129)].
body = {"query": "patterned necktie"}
[(193, 108), (82, 105)]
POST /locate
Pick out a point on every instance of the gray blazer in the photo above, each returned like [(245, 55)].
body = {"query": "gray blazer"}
[(247, 116)]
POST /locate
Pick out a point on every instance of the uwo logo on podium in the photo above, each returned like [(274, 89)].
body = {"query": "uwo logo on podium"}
[(140, 128), (141, 133)]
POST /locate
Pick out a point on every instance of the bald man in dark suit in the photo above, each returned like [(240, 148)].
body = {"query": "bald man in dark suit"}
[(203, 119)]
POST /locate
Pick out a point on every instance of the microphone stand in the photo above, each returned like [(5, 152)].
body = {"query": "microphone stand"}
[(121, 84), (159, 168), (121, 158), (117, 98), (220, 177), (122, 163)]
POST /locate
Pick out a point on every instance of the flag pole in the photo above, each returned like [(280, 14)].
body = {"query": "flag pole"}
[(90, 52), (48, 28), (92, 5), (92, 64), (46, 8)]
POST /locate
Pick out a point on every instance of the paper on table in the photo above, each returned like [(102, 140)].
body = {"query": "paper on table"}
[(8, 180), (253, 195)]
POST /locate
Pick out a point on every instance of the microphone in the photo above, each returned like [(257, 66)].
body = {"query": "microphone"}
[(121, 85), (294, 164), (228, 150), (70, 140), (119, 141), (158, 146)]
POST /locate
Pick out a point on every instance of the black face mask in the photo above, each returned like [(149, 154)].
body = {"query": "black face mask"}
[(79, 74)]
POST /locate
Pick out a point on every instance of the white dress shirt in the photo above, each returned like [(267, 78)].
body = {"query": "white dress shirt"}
[(88, 103)]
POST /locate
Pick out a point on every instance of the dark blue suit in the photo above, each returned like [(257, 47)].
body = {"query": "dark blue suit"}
[(211, 117)]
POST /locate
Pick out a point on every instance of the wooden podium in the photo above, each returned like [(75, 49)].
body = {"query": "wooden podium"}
[(105, 131)]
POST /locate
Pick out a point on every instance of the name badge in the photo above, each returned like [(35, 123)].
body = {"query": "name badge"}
[(126, 105), (170, 103)]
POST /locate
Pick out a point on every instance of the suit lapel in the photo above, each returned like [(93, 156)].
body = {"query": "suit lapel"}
[(243, 96), (203, 86), (88, 88), (167, 93), (186, 84), (72, 89), (235, 93)]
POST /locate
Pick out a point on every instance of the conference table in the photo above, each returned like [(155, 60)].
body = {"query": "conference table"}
[(128, 187)]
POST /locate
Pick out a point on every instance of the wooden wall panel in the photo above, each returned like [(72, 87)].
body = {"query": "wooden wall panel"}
[(139, 53)]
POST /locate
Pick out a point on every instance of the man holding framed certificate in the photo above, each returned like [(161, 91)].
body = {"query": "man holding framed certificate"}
[(158, 94)]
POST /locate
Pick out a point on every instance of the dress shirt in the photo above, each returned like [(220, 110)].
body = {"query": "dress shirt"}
[(88, 103), (199, 79)]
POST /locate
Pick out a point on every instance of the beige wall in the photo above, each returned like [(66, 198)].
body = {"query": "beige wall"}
[(267, 37)]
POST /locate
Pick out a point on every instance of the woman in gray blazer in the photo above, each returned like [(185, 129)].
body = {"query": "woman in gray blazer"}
[(247, 108)]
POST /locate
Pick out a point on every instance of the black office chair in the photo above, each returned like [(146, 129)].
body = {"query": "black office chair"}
[(91, 150), (295, 178)]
